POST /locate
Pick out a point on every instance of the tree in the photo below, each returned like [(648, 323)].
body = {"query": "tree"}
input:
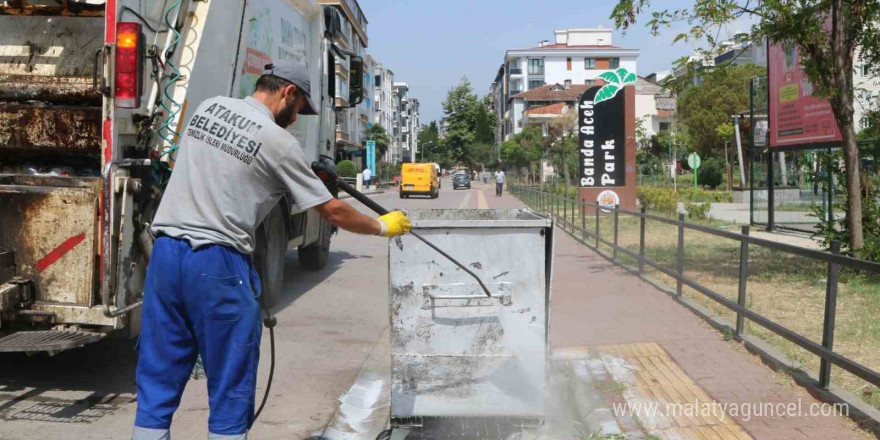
[(561, 145), (827, 32), (702, 108), (725, 132), (460, 108), (484, 129), (377, 133), (523, 150)]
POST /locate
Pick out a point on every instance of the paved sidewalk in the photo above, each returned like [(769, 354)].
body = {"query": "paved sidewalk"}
[(601, 309)]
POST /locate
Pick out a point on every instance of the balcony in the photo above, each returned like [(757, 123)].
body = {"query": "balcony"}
[(516, 71), (515, 91)]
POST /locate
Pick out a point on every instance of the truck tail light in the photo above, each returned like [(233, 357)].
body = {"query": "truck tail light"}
[(128, 66)]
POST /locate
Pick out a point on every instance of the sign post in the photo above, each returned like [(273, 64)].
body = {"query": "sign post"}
[(694, 163), (606, 141)]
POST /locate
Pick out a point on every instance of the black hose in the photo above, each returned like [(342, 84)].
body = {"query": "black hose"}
[(269, 321), (378, 209), (141, 18), (271, 372)]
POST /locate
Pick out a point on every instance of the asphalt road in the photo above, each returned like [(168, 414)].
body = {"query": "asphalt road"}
[(328, 324)]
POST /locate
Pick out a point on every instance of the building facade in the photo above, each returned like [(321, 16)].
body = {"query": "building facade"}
[(350, 122), (383, 105), (576, 57), (866, 89), (405, 123), (655, 107)]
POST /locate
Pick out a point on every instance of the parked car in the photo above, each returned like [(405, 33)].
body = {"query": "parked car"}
[(461, 180)]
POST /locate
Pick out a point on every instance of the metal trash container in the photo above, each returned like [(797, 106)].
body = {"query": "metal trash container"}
[(454, 351)]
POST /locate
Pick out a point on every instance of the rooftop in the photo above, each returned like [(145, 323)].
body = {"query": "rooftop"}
[(575, 47), (554, 93), (555, 109)]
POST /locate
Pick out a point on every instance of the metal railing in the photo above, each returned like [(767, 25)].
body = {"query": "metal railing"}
[(566, 211)]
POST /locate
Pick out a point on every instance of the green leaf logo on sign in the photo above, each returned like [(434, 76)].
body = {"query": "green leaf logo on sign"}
[(615, 80)]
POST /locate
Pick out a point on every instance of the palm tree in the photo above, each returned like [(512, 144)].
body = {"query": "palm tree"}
[(377, 133)]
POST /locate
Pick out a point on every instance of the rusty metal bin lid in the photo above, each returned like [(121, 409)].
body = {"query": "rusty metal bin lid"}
[(476, 218)]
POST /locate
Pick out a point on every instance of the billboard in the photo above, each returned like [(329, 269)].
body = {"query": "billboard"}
[(797, 118)]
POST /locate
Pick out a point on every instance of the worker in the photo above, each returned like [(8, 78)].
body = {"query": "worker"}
[(202, 292)]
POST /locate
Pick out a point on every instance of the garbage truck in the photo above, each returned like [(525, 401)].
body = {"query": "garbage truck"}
[(93, 98)]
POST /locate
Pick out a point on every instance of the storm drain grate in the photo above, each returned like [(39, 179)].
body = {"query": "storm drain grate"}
[(47, 340)]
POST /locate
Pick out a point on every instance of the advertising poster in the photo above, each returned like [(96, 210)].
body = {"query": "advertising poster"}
[(797, 118)]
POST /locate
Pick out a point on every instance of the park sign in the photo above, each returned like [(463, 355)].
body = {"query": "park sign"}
[(602, 139), (606, 141)]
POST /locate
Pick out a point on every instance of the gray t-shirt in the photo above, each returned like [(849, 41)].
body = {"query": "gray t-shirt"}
[(233, 166)]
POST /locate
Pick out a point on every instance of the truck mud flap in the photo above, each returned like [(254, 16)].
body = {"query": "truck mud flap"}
[(47, 340)]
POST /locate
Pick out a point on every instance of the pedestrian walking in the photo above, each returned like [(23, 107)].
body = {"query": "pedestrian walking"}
[(202, 292), (368, 175), (499, 182)]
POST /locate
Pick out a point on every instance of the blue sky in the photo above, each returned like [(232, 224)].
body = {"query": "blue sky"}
[(430, 44)]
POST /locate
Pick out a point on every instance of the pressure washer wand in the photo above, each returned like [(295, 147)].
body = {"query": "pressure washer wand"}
[(359, 196)]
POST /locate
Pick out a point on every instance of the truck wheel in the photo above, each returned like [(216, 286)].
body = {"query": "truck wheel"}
[(314, 256), (271, 248)]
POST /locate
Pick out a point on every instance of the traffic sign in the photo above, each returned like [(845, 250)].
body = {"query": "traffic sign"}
[(694, 163), (694, 160)]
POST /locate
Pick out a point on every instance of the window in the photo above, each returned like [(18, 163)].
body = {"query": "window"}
[(536, 66), (664, 126), (615, 63), (378, 81), (866, 70), (864, 122), (589, 63), (535, 83), (567, 84), (590, 82), (568, 63)]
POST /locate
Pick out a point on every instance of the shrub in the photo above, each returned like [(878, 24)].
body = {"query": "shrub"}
[(697, 211), (346, 168), (701, 195), (712, 172), (663, 200)]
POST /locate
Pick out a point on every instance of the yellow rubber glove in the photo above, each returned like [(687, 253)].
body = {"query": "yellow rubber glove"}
[(393, 224)]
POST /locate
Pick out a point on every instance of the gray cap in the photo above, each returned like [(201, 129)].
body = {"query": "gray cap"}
[(298, 75)]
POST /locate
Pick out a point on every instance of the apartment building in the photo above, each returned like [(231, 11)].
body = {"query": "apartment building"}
[(383, 105), (655, 106), (350, 122), (575, 57), (866, 87), (405, 123)]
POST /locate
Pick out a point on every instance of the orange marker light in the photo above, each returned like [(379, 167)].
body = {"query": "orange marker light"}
[(128, 65)]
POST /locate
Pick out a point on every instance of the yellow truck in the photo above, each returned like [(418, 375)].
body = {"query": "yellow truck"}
[(419, 179)]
